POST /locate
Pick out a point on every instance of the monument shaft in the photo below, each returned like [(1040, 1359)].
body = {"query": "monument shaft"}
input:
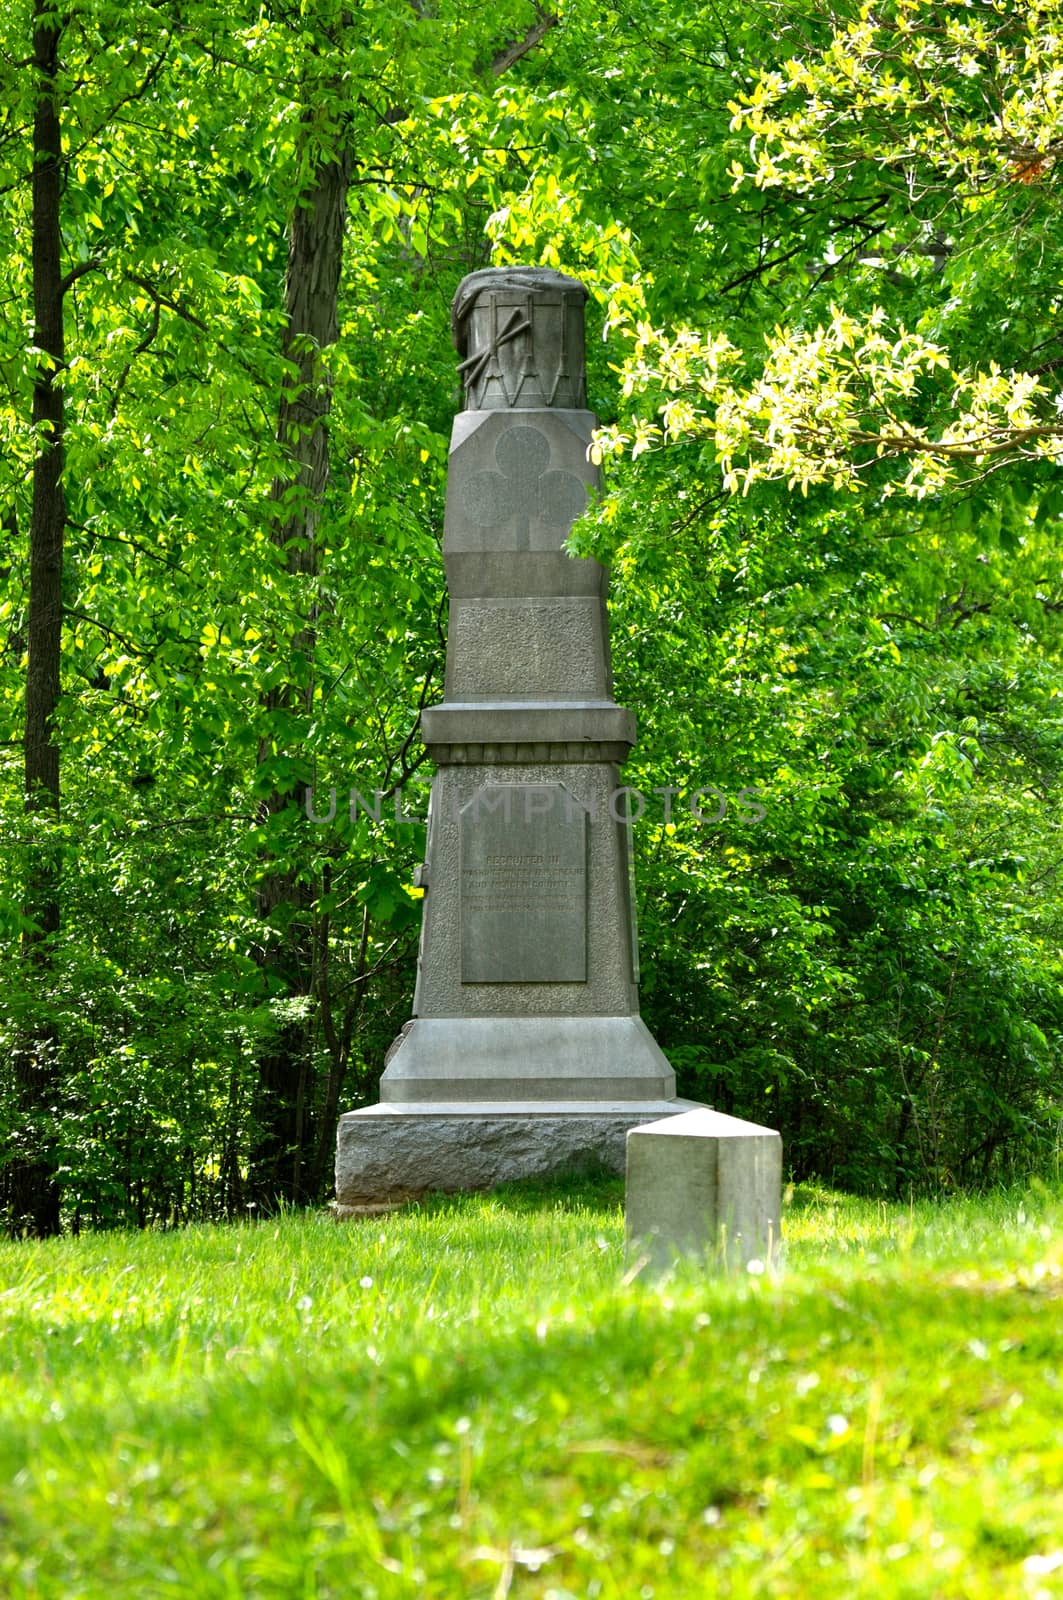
[(527, 975)]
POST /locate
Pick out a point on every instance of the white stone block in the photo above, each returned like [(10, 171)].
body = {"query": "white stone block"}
[(703, 1185)]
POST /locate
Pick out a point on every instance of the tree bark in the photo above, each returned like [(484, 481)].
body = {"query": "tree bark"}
[(48, 518), (33, 1192), (284, 1113)]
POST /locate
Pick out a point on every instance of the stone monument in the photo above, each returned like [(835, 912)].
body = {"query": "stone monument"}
[(526, 1053)]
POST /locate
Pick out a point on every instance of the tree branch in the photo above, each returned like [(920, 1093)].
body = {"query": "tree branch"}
[(113, 633), (164, 300), (92, 265), (510, 54)]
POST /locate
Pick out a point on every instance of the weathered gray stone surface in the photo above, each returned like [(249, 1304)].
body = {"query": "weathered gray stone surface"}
[(519, 332), (527, 1058), (391, 1153), (516, 483), (609, 988), (585, 726), (704, 1185), (527, 620), (503, 647), (523, 889)]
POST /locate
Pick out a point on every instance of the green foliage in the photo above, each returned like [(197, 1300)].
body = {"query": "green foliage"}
[(911, 149), (873, 966)]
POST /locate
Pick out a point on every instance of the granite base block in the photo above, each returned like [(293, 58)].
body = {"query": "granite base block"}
[(703, 1185), (393, 1152)]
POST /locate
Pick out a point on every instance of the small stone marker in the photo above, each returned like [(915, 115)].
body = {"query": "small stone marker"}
[(705, 1185)]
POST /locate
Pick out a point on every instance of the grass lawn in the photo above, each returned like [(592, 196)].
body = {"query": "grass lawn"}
[(466, 1400)]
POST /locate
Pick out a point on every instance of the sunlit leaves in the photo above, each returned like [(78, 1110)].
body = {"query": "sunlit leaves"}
[(952, 118)]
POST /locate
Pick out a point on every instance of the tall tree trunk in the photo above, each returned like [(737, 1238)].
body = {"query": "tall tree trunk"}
[(33, 1191), (285, 1090)]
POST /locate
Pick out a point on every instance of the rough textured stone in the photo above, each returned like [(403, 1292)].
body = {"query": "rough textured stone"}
[(392, 1153), (549, 646), (703, 1185)]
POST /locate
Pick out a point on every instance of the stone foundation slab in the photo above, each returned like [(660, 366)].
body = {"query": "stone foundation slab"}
[(390, 1153)]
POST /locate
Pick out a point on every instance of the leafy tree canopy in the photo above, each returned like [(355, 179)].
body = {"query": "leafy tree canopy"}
[(896, 171)]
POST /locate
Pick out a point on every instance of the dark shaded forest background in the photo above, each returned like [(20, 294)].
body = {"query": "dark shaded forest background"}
[(231, 235)]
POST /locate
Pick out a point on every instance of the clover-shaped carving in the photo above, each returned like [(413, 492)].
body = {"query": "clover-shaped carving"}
[(524, 489)]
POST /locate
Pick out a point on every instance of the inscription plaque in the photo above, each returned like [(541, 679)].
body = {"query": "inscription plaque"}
[(523, 885)]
